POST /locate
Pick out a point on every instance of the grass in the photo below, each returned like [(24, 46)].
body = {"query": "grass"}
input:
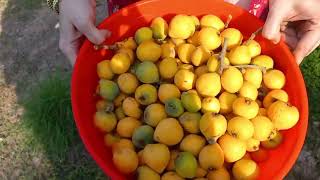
[(48, 115), (311, 72)]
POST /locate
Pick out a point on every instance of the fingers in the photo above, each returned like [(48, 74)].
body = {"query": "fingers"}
[(276, 15), (94, 35), (308, 42), (76, 22), (69, 51), (69, 47), (69, 37), (290, 37)]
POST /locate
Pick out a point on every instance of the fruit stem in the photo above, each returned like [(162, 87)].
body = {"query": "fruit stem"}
[(228, 21), (243, 70), (160, 41), (233, 134), (263, 69), (142, 98), (222, 55), (247, 101), (109, 108), (198, 27), (254, 34), (270, 135), (215, 114)]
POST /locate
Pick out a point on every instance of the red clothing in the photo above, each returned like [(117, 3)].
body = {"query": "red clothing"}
[(258, 8)]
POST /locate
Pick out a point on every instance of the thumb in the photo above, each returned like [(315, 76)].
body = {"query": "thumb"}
[(271, 28), (306, 45), (96, 36)]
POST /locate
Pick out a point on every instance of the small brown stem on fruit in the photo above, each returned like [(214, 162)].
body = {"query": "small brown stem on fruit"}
[(228, 21), (247, 101), (254, 34), (214, 114), (142, 98), (198, 27), (233, 134), (222, 55), (212, 168), (160, 41), (112, 47), (263, 69), (270, 135), (243, 70), (109, 108)]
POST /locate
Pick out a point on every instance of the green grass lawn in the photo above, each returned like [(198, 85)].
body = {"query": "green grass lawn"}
[(48, 116), (311, 72)]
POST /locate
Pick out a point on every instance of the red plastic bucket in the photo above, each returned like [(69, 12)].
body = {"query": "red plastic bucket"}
[(125, 22)]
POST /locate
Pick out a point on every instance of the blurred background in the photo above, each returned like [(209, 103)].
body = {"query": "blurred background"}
[(38, 137)]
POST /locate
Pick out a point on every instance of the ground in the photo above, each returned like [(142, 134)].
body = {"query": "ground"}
[(29, 55)]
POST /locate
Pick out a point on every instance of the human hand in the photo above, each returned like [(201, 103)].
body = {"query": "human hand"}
[(298, 22), (77, 18)]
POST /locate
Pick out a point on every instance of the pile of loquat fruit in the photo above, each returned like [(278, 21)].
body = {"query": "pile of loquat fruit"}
[(191, 99)]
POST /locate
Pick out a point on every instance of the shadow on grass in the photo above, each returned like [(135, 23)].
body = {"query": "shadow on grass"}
[(29, 61)]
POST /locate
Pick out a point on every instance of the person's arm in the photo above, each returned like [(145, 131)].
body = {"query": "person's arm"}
[(77, 18)]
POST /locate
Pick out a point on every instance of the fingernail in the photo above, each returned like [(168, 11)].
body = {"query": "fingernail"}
[(276, 40)]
